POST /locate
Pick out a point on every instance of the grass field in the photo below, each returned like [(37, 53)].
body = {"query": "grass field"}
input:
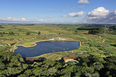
[(90, 44)]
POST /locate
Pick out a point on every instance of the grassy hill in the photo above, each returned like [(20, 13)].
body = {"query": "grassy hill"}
[(96, 53)]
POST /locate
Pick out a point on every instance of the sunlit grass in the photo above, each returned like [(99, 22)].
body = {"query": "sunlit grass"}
[(90, 43)]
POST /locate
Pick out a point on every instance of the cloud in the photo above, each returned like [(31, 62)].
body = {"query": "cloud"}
[(101, 15), (111, 17), (115, 12), (78, 14), (49, 17), (40, 20), (63, 15), (23, 19), (99, 12), (83, 2), (12, 19)]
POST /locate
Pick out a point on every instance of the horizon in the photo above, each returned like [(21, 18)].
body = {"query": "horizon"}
[(57, 24), (58, 12)]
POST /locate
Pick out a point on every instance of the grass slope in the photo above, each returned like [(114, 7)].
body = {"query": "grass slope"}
[(90, 44)]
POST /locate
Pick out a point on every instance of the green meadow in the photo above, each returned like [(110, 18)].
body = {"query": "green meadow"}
[(96, 44)]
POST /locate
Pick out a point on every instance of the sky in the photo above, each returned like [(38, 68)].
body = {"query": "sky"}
[(58, 11)]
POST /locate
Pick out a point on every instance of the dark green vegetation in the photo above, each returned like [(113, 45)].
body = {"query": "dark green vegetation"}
[(97, 52), (1, 26), (90, 66), (92, 30), (39, 33), (112, 30), (11, 33), (28, 33)]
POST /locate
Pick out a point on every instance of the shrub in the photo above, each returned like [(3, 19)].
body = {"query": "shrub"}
[(28, 33)]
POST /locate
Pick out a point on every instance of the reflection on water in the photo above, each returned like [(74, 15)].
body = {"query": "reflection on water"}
[(46, 47)]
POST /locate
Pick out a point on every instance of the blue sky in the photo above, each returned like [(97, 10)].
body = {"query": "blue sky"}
[(58, 11)]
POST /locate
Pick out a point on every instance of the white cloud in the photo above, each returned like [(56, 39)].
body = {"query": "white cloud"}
[(111, 18), (63, 15), (23, 19), (98, 13), (40, 20), (76, 14), (83, 2), (12, 19), (115, 12)]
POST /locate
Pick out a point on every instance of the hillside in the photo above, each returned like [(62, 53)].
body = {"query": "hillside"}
[(96, 53)]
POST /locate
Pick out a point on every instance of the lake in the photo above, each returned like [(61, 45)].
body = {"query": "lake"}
[(46, 47)]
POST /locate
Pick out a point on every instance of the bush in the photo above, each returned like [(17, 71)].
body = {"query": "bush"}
[(28, 33), (1, 35), (39, 33), (11, 33)]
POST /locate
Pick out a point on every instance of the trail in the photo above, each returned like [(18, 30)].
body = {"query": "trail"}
[(101, 39)]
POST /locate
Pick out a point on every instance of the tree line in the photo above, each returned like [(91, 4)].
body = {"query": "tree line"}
[(12, 33), (112, 29), (1, 26), (98, 30), (28, 33), (92, 30)]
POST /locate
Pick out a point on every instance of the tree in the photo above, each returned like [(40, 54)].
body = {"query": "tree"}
[(11, 33), (4, 33), (52, 70), (37, 71), (1, 26), (28, 33), (39, 33), (22, 75), (98, 66), (28, 72), (2, 66), (77, 74), (1, 35), (75, 32)]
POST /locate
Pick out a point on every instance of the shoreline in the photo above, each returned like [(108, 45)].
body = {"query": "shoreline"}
[(42, 41), (28, 46), (48, 53)]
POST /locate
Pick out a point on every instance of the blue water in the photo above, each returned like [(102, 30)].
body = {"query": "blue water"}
[(47, 47)]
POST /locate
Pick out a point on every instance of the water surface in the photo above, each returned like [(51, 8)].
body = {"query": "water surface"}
[(46, 47)]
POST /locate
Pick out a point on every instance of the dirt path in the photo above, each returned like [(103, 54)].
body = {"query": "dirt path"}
[(100, 37), (80, 43), (103, 41)]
